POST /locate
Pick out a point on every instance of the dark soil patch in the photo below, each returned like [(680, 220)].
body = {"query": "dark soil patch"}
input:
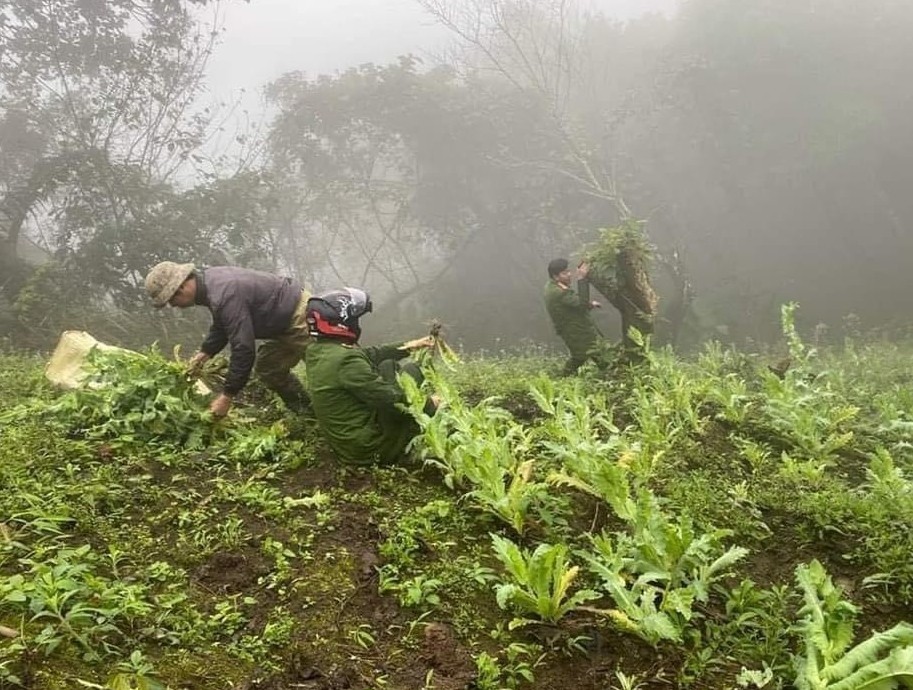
[(231, 572), (772, 566), (303, 673), (592, 515), (607, 650), (520, 404), (523, 408), (451, 662), (319, 475)]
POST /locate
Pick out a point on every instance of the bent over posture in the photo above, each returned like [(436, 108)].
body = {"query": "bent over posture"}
[(570, 312), (353, 389), (246, 305)]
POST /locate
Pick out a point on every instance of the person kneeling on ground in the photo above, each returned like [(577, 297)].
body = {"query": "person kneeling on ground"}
[(353, 389), (246, 305)]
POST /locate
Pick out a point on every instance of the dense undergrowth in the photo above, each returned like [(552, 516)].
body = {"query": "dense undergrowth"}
[(719, 521)]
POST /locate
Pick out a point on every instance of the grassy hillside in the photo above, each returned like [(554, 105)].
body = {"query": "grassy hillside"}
[(716, 522)]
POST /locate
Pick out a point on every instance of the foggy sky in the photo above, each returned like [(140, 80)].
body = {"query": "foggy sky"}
[(266, 38)]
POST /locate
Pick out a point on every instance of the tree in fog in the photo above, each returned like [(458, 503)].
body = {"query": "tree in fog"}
[(101, 133), (391, 181), (766, 142)]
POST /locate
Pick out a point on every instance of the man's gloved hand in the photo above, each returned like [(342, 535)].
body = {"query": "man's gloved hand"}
[(418, 343), (220, 406), (195, 364)]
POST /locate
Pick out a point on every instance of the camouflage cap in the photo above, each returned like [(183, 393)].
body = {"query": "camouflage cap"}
[(164, 280)]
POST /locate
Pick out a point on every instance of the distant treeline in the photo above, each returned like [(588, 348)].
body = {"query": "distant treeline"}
[(767, 143)]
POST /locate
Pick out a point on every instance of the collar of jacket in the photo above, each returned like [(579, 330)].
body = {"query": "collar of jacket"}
[(202, 296), (337, 341)]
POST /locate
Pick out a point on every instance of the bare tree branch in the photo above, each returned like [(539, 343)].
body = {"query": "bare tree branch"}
[(533, 44)]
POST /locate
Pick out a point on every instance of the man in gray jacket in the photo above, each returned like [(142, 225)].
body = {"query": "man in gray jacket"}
[(246, 306)]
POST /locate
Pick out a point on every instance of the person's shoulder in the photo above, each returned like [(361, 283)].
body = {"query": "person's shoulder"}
[(347, 355), (233, 272), (553, 289), (338, 349), (327, 351), (220, 277)]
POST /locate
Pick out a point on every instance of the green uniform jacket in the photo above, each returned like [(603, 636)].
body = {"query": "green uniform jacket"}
[(571, 317), (355, 407)]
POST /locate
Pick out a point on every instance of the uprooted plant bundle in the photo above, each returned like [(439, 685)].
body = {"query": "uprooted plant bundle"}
[(620, 269), (136, 399), (439, 350), (132, 396)]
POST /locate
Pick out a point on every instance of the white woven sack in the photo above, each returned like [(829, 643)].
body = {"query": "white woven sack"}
[(67, 369)]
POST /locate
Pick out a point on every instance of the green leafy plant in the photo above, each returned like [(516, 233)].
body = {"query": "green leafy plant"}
[(509, 494), (541, 581), (485, 450), (581, 436), (136, 673), (63, 593), (488, 672), (657, 573), (732, 395), (516, 667), (669, 396), (363, 636), (254, 493), (885, 480), (256, 444), (801, 407), (419, 590), (750, 629), (882, 662)]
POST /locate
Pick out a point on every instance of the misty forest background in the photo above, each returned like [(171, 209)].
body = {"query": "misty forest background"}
[(767, 143)]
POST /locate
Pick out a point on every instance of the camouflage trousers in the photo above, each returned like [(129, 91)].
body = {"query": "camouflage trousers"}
[(278, 356)]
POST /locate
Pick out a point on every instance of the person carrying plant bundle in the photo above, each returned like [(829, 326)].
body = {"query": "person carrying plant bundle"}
[(570, 312), (246, 305), (353, 388)]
